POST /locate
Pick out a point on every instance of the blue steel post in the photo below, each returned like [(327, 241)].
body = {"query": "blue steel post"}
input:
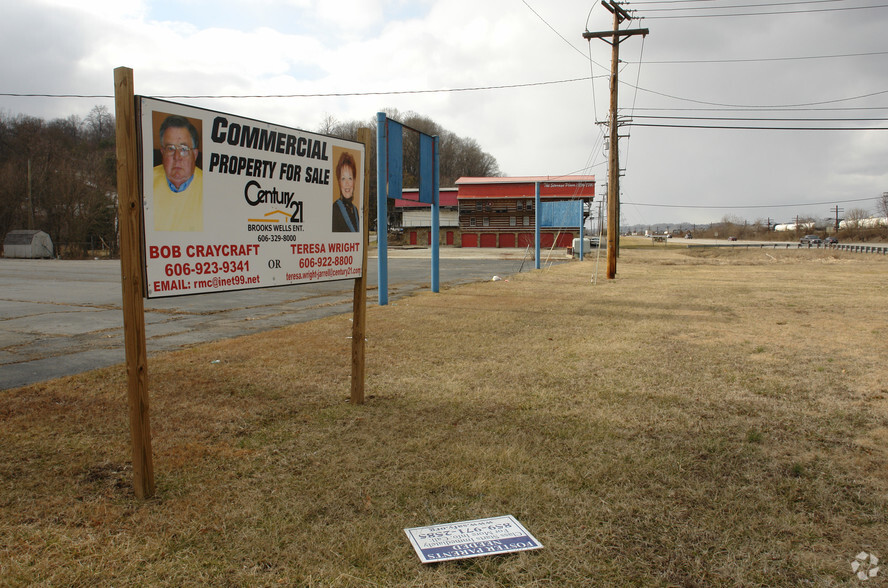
[(581, 231), (436, 222), (381, 208), (536, 229)]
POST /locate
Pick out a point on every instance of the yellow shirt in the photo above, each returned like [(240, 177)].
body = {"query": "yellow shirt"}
[(181, 211)]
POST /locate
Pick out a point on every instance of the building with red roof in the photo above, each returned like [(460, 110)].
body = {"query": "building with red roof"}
[(492, 211), (499, 212)]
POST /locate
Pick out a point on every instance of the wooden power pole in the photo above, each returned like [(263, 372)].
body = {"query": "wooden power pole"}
[(614, 37), (837, 210)]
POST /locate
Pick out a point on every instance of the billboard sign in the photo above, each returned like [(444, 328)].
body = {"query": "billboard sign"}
[(231, 203), (562, 214)]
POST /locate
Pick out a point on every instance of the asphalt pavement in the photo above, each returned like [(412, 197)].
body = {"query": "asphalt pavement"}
[(61, 317)]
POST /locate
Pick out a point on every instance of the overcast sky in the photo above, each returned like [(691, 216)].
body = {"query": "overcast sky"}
[(828, 59)]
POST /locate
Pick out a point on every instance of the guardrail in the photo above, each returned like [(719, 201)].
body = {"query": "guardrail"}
[(861, 248), (878, 249)]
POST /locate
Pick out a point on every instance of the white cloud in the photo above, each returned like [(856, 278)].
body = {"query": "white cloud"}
[(105, 9), (319, 47), (349, 15)]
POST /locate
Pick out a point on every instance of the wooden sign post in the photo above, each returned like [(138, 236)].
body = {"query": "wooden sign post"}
[(145, 272), (359, 327), (129, 211)]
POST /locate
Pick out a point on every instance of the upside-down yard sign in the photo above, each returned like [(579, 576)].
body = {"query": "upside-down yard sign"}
[(467, 539)]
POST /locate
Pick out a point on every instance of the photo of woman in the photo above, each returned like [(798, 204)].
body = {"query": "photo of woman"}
[(345, 211)]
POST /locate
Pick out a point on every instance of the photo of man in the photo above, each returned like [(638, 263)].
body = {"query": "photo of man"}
[(178, 182)]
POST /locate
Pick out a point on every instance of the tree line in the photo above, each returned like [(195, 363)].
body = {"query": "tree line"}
[(458, 156), (857, 225), (59, 176)]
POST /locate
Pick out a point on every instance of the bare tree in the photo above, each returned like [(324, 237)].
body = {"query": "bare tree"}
[(98, 127), (457, 156), (882, 205), (734, 226), (60, 173), (328, 125), (854, 216)]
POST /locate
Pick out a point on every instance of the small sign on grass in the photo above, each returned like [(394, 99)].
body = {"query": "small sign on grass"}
[(471, 539)]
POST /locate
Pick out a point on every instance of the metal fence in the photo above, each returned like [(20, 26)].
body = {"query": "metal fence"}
[(878, 249)]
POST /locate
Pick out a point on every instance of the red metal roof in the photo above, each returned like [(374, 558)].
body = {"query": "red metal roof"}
[(525, 187), (446, 197), (524, 179)]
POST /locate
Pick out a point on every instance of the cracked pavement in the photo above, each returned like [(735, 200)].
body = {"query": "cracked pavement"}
[(61, 317)]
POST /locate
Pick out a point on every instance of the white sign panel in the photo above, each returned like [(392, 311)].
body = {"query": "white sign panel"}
[(233, 203), (470, 539)]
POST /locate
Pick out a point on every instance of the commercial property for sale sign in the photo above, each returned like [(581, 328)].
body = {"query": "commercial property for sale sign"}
[(231, 203)]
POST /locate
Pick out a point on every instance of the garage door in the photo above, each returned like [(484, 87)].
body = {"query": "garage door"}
[(507, 239), (469, 240), (488, 240)]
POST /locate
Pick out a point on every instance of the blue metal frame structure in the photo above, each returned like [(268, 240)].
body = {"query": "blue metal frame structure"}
[(555, 215), (389, 171)]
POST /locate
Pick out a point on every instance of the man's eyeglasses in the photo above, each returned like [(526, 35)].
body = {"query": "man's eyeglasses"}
[(171, 150)]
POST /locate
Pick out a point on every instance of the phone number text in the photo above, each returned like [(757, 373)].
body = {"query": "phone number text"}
[(312, 262), (206, 268)]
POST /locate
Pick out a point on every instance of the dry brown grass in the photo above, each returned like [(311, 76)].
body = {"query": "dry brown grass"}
[(708, 418)]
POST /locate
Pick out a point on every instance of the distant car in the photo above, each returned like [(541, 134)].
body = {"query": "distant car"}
[(732, 238), (830, 241), (688, 236), (810, 240)]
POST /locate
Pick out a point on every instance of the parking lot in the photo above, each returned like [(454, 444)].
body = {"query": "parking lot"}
[(64, 317)]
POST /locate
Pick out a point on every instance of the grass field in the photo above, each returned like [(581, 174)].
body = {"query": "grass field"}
[(709, 418)]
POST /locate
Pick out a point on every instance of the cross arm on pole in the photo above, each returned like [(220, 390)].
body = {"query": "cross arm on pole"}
[(618, 34), (615, 8)]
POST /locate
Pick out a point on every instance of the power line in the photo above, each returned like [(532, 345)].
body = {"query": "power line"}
[(635, 98), (683, 1), (758, 59), (571, 45), (464, 89), (813, 10), (730, 6), (763, 109), (476, 89), (18, 95), (592, 80), (761, 119), (319, 95), (762, 105), (746, 206), (668, 1), (743, 128)]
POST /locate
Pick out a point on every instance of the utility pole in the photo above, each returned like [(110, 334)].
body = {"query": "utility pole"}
[(600, 212), (613, 173), (30, 200), (837, 210)]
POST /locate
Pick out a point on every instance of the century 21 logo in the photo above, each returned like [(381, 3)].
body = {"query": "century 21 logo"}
[(255, 195)]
